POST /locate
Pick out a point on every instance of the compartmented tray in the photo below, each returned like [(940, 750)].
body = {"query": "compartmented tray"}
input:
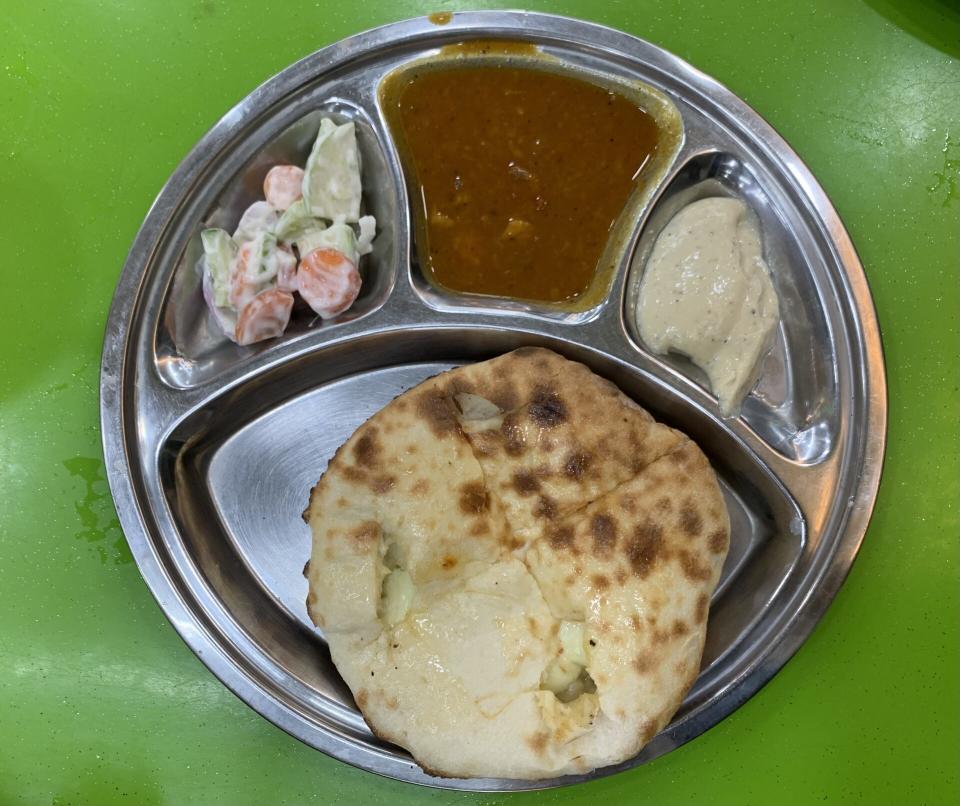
[(212, 448)]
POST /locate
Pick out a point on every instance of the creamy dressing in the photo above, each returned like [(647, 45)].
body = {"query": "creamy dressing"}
[(706, 293)]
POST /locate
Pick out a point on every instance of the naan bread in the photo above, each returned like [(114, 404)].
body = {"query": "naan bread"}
[(512, 564)]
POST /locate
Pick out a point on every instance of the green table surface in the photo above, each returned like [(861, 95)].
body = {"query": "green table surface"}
[(101, 702)]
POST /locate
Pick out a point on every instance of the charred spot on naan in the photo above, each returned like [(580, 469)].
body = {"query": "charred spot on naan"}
[(366, 533), (719, 541), (512, 543), (382, 484), (644, 548), (576, 464), (678, 629), (547, 409), (525, 482), (353, 473), (367, 450), (546, 508), (480, 528), (628, 504), (644, 662), (538, 742), (693, 569), (604, 531), (690, 522), (474, 498), (439, 412), (561, 538)]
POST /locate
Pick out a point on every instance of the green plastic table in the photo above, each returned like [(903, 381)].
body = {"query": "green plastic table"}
[(101, 702)]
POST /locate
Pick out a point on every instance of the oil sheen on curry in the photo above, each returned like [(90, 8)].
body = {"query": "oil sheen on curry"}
[(522, 174)]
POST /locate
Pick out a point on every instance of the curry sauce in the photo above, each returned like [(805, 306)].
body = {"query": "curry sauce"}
[(520, 174)]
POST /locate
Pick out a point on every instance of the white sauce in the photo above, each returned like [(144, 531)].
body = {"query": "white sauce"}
[(706, 293)]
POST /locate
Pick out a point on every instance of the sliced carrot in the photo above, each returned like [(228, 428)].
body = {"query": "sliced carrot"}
[(328, 281), (264, 317), (282, 185)]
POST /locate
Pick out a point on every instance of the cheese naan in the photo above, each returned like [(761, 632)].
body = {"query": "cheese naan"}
[(512, 565)]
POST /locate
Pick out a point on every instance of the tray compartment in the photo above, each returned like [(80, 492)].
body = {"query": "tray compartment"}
[(794, 406), (189, 347), (237, 473), (612, 262)]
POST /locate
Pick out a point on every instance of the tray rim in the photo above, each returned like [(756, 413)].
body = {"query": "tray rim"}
[(117, 344)]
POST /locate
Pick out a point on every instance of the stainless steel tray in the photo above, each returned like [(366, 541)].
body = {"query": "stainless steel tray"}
[(211, 449)]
